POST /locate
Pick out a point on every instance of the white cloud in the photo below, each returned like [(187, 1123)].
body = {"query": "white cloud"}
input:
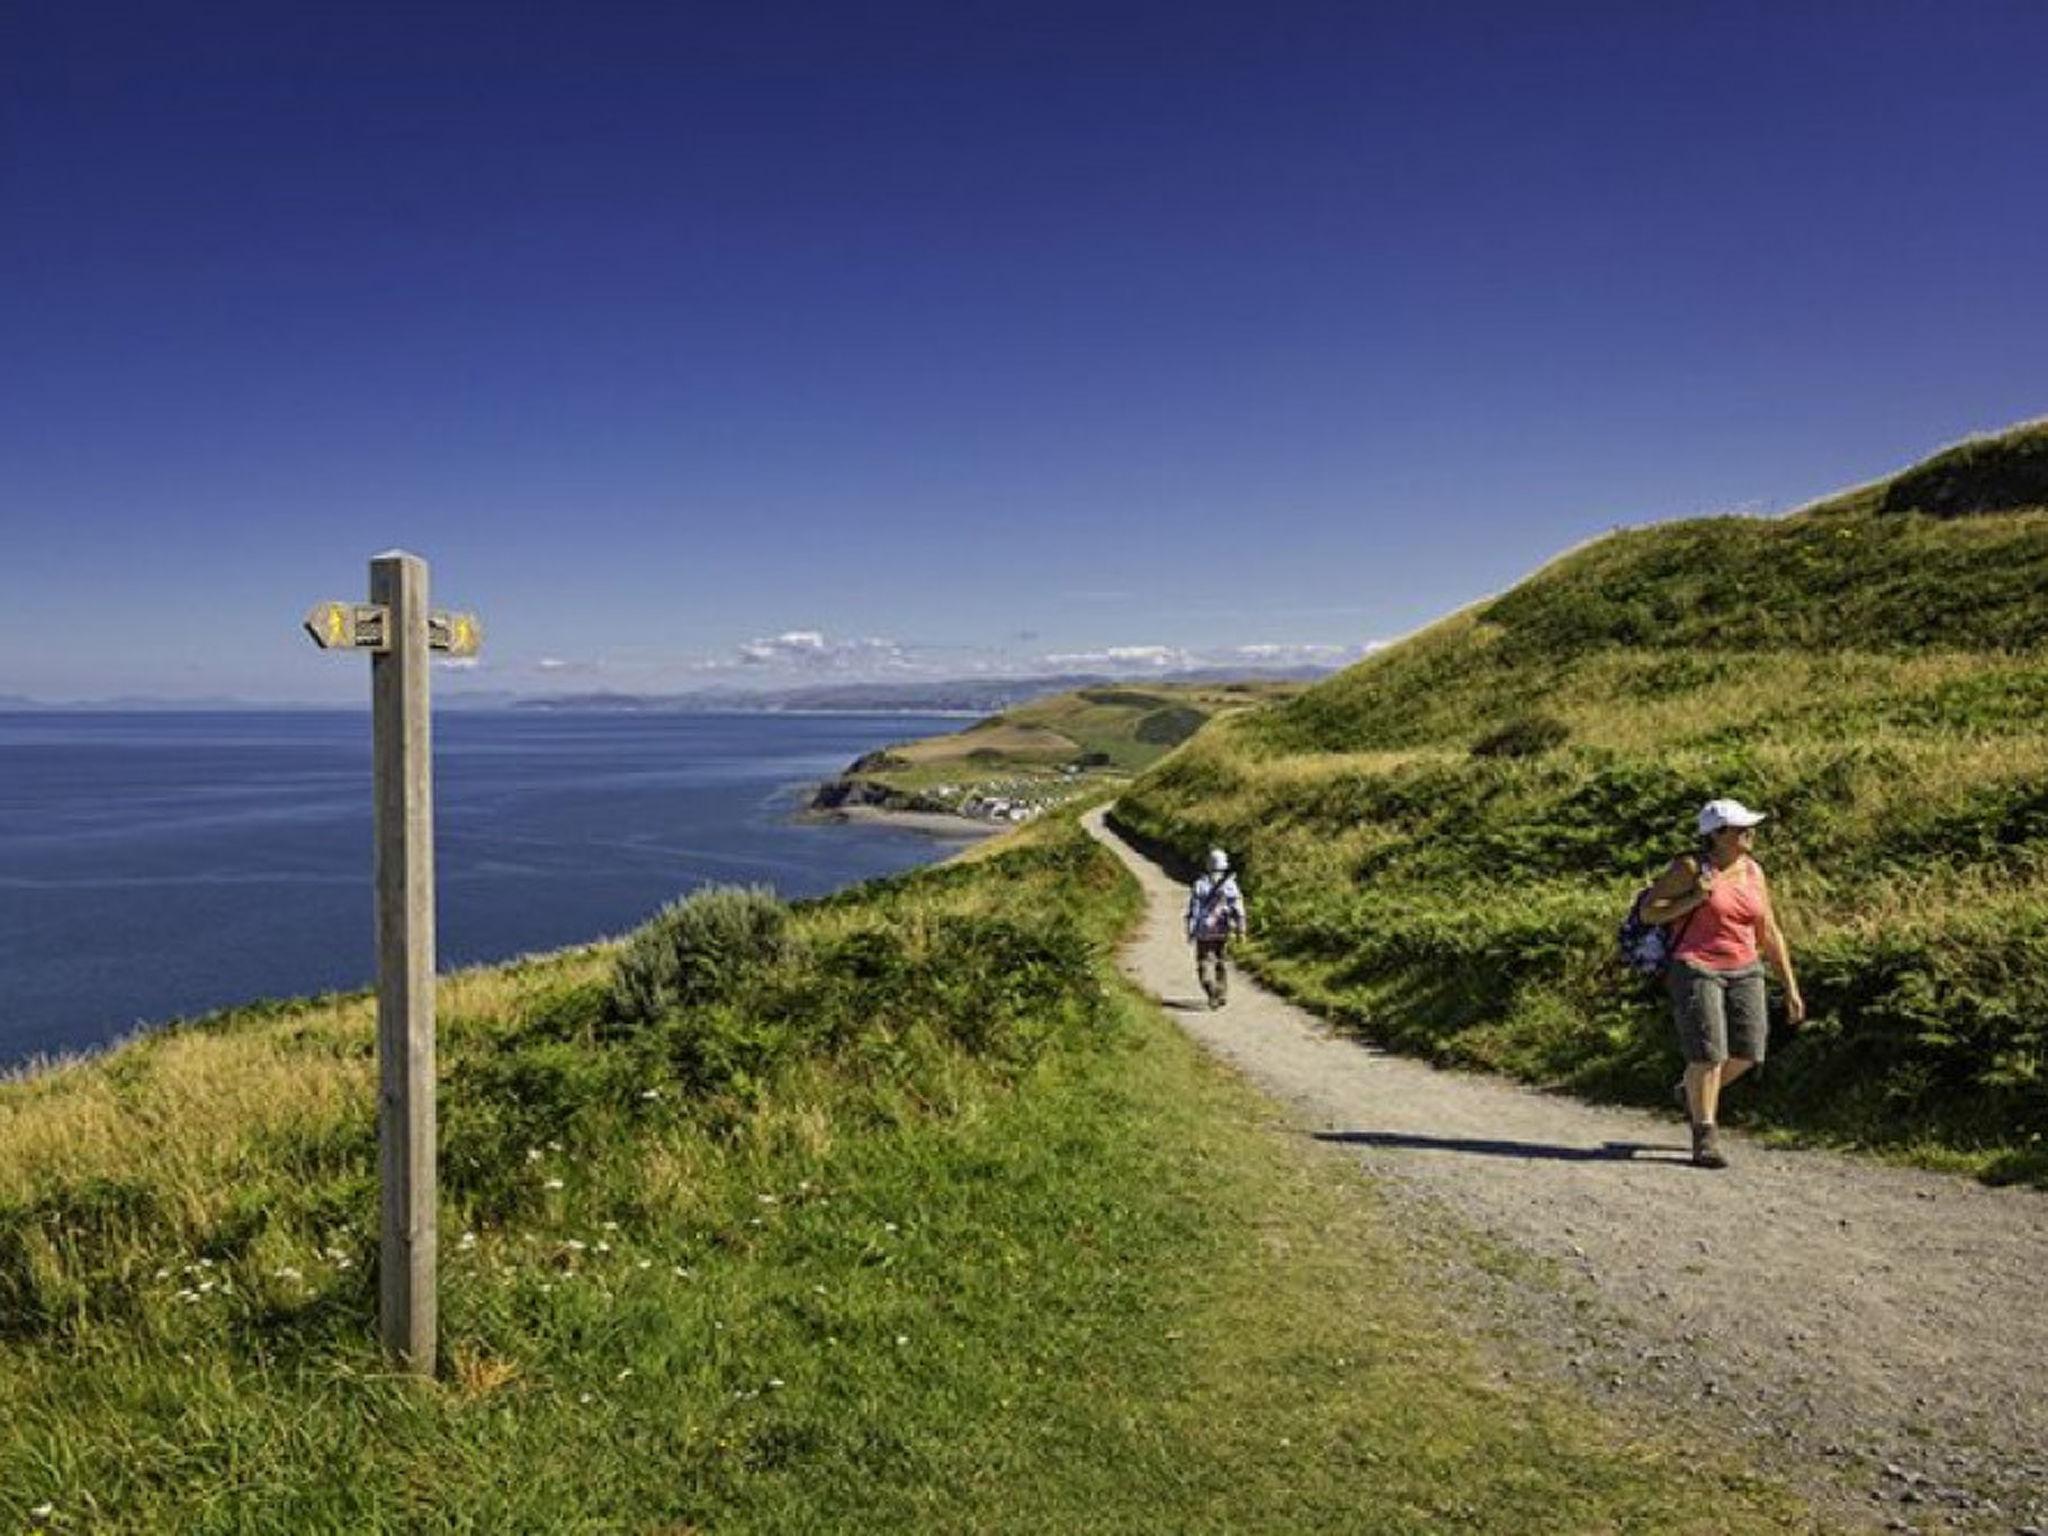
[(795, 656), (1158, 658), (1285, 654), (1259, 656), (811, 650)]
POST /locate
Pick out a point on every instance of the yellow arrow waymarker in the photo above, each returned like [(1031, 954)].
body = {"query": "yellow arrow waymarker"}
[(455, 634), (346, 626)]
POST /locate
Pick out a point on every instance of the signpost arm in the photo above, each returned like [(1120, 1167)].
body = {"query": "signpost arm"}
[(405, 963)]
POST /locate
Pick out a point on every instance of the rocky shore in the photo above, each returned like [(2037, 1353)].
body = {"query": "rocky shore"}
[(846, 800)]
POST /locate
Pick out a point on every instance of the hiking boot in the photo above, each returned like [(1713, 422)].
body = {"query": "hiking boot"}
[(1706, 1148)]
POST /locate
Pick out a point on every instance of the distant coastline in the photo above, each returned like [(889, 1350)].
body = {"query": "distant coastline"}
[(852, 800)]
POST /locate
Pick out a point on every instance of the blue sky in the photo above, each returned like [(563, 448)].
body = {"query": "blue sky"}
[(703, 342)]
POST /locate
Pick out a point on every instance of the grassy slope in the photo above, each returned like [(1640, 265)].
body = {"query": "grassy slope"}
[(1442, 839), (1115, 730), (926, 1226)]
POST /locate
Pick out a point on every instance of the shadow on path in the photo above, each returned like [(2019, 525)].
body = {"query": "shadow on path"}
[(1606, 1152)]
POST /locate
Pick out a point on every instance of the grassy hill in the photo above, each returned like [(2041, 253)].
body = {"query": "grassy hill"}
[(1441, 839), (1051, 751), (891, 1212)]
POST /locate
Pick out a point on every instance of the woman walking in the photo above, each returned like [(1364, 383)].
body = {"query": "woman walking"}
[(1719, 907)]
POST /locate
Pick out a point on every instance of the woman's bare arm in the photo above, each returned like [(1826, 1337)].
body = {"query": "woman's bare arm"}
[(1779, 954)]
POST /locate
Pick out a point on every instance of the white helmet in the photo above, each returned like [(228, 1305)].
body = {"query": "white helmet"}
[(1219, 861)]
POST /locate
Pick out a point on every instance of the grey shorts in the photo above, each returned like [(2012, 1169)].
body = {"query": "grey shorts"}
[(1719, 1013)]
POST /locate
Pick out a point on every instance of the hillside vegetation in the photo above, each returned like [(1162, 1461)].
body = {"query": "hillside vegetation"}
[(1047, 753), (888, 1212), (1441, 840)]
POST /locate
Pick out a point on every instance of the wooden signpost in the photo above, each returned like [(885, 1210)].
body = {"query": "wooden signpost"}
[(401, 635)]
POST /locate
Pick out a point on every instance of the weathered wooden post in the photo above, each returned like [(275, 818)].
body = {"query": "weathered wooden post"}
[(396, 627)]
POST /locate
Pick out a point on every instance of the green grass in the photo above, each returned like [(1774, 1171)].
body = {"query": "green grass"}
[(1441, 840), (915, 1220), (1053, 751)]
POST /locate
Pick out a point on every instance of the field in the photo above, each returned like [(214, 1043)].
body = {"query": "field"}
[(1442, 839)]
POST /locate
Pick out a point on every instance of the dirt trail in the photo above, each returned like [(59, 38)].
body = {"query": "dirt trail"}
[(1880, 1332)]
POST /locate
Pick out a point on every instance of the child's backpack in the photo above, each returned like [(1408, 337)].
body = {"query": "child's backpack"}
[(1646, 948)]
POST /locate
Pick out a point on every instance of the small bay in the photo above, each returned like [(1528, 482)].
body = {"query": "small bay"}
[(160, 864)]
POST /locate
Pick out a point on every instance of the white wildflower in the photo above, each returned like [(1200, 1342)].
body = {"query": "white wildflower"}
[(552, 1184), (574, 1245), (774, 1383)]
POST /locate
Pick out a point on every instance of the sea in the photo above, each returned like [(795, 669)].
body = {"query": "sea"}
[(157, 865)]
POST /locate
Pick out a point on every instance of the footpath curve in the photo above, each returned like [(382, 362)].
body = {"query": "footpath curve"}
[(1880, 1333)]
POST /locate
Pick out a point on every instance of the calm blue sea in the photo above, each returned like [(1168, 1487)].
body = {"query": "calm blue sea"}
[(158, 865)]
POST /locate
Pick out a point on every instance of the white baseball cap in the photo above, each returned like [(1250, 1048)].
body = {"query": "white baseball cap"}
[(1716, 814), (1219, 861)]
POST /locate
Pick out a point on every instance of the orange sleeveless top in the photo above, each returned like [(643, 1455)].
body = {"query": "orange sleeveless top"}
[(1721, 932)]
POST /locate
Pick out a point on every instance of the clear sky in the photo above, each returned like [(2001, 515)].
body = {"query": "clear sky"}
[(692, 341)]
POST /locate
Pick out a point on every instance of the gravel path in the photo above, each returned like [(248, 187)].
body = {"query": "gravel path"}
[(1881, 1334)]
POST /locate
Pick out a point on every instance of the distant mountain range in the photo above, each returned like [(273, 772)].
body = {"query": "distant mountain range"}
[(21, 703), (975, 695)]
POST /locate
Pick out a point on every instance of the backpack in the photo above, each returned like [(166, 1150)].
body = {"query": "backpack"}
[(1646, 948), (1213, 918)]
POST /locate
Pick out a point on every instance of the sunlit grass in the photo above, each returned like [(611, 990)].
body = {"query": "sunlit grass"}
[(1439, 842), (991, 1250)]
